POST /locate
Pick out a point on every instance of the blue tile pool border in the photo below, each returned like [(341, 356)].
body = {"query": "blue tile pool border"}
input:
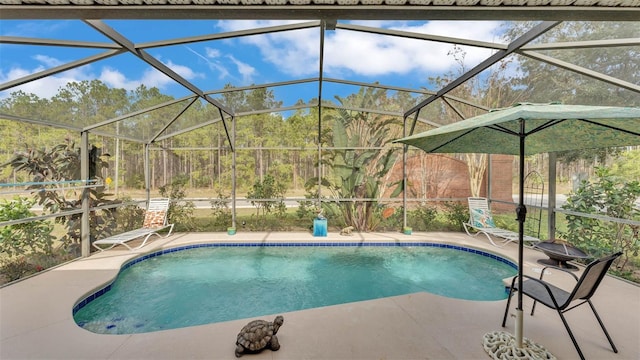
[(84, 302)]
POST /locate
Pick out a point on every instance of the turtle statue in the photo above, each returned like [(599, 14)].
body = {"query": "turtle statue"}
[(257, 335)]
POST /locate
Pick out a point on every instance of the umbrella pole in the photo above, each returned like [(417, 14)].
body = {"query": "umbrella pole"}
[(500, 344), (521, 214)]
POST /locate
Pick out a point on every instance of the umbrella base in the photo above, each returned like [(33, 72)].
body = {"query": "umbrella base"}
[(502, 345)]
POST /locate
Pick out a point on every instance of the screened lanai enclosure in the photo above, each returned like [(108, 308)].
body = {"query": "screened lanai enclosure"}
[(279, 109)]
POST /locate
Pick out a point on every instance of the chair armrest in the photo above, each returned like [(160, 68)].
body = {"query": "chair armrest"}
[(557, 268), (515, 278)]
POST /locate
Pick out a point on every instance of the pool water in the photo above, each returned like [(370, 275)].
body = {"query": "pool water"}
[(213, 284)]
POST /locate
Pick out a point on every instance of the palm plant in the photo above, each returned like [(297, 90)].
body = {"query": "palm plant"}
[(360, 159)]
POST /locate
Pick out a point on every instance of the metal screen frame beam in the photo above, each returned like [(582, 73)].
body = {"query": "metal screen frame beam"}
[(513, 47)]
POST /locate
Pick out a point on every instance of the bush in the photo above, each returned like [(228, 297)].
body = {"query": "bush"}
[(222, 216), (62, 163), (268, 188), (307, 208), (29, 237), (16, 268), (426, 214), (456, 213), (180, 211), (608, 196), (128, 217), (271, 222)]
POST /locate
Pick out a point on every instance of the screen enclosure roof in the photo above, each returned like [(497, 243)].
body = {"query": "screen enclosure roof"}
[(323, 15)]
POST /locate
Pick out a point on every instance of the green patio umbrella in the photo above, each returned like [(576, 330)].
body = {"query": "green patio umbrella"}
[(526, 129)]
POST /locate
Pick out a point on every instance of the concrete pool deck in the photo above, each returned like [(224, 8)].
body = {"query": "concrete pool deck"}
[(36, 320)]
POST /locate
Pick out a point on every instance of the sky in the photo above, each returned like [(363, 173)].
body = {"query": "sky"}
[(257, 59)]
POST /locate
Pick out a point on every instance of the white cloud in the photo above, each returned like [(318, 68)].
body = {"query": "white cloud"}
[(48, 86), (154, 78), (116, 79), (212, 53), (296, 52), (213, 64), (48, 61), (44, 88), (184, 71), (247, 71)]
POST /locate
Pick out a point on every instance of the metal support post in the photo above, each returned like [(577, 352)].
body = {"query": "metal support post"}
[(147, 172), (85, 230), (233, 171), (551, 203)]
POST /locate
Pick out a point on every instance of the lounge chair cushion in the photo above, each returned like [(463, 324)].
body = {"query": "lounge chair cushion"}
[(482, 218), (154, 219)]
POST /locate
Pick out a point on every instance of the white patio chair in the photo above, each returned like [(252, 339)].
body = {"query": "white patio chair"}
[(481, 220), (155, 219)]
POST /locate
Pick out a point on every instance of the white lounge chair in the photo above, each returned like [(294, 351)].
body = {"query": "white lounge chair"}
[(481, 220), (155, 219)]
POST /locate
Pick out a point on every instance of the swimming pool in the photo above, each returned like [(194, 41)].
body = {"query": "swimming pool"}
[(207, 283)]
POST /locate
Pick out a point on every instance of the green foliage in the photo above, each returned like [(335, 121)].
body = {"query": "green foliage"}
[(360, 159), (222, 216), (426, 215), (135, 181), (29, 237), (627, 165), (180, 211), (456, 213), (596, 156), (307, 209), (128, 217), (14, 269), (270, 222), (266, 189), (612, 197), (544, 82), (392, 219), (59, 164), (541, 81)]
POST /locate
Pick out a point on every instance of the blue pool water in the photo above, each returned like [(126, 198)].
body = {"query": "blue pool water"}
[(219, 283)]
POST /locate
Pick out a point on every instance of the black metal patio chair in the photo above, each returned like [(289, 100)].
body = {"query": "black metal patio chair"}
[(560, 300)]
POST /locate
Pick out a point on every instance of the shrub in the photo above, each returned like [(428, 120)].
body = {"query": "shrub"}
[(16, 268), (128, 217), (307, 208), (58, 164), (456, 213), (427, 215), (268, 188), (608, 196), (180, 211), (32, 236), (222, 216)]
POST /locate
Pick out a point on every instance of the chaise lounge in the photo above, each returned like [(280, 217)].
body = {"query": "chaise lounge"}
[(155, 220), (481, 220)]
